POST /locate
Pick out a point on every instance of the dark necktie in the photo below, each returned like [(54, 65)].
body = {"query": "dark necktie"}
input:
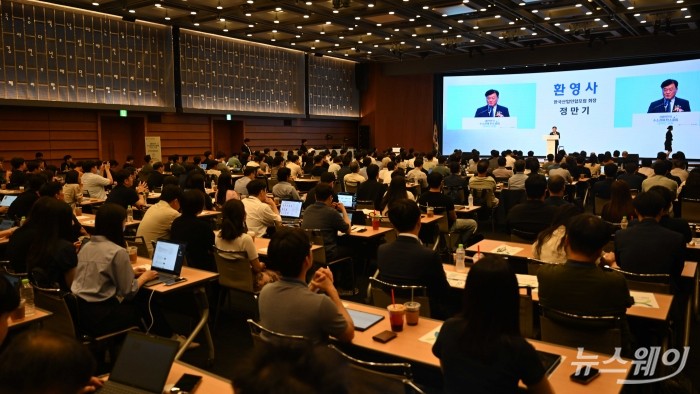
[(667, 105), (490, 111)]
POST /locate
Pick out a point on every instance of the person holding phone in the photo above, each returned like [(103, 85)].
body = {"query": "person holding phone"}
[(481, 349), (95, 183)]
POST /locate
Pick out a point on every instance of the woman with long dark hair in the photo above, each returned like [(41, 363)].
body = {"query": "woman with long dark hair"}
[(397, 191), (224, 188), (105, 282), (620, 203), (481, 350), (234, 238), (197, 181)]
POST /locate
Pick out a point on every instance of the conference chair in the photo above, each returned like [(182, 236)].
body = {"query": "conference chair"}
[(484, 198), (690, 210), (319, 255), (522, 236), (598, 205), (365, 204), (264, 337), (600, 334), (14, 277), (351, 187), (379, 294), (511, 198), (654, 283), (527, 314), (271, 182), (372, 377), (455, 193), (65, 312), (235, 277)]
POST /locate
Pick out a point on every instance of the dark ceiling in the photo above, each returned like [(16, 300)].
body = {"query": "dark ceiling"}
[(393, 30)]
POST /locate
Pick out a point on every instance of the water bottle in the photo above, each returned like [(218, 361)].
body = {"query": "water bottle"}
[(459, 259), (471, 200), (26, 293), (129, 214), (623, 223)]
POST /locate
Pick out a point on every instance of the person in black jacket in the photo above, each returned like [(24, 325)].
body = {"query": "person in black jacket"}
[(197, 233)]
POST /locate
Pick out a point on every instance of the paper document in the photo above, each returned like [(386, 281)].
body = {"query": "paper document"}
[(527, 280), (505, 249), (456, 279), (431, 336), (645, 300)]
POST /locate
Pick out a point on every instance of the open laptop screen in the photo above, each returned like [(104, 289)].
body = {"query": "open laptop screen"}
[(7, 201), (203, 166), (349, 200), (168, 257), (144, 362), (290, 209)]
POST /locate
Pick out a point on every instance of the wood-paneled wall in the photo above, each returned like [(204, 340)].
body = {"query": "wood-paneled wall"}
[(398, 110), (57, 132)]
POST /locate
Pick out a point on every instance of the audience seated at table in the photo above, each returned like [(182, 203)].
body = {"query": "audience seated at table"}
[(434, 197), (631, 176), (261, 211), (93, 181), (290, 306), (197, 233), (601, 189), (532, 215), (198, 182), (517, 181), (372, 189), (396, 191), (580, 286), (108, 286), (241, 184), (323, 216), (676, 224), (501, 172), (483, 181), (549, 245), (556, 185), (562, 171), (23, 203), (156, 176), (40, 361), (647, 247), (158, 219), (407, 262), (43, 247), (417, 174), (319, 166), (224, 189), (293, 163), (283, 189), (661, 170), (233, 238), (124, 194), (620, 204), (72, 189), (481, 349)]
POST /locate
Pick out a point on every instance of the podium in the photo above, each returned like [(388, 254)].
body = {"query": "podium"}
[(551, 143)]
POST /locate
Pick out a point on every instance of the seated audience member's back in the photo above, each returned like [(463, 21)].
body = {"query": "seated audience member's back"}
[(289, 306), (45, 362), (158, 219), (532, 216)]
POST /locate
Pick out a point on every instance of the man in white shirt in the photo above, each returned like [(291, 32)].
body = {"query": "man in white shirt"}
[(293, 165), (95, 183), (261, 211), (354, 177), (417, 175), (159, 218), (335, 165)]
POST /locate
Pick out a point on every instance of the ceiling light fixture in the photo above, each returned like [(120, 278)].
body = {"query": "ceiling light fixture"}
[(219, 6)]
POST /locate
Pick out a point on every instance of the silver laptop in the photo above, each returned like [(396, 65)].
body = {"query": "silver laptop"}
[(142, 366), (168, 258), (7, 201), (290, 210)]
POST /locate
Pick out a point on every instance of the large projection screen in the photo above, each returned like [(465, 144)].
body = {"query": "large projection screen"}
[(596, 110)]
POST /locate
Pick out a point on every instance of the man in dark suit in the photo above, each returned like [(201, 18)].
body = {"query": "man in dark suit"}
[(532, 216), (669, 103), (579, 286), (492, 109), (371, 189), (556, 143), (647, 247), (245, 148), (406, 261)]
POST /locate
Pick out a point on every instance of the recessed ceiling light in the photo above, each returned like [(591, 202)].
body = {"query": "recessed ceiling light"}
[(370, 52), (687, 17), (497, 16), (476, 28), (643, 22), (250, 1), (313, 47), (167, 18), (589, 13), (684, 9), (483, 10), (132, 11), (96, 4), (488, 32), (379, 25), (336, 11), (547, 18), (219, 7), (426, 7), (427, 39), (500, 38), (306, 17), (323, 32), (411, 20), (351, 28), (391, 12), (249, 35), (328, 23), (417, 46), (511, 23), (308, 3), (347, 54), (535, 11), (428, 25), (370, 5), (557, 24), (403, 42), (386, 38), (472, 40), (293, 44), (297, 36), (414, 35), (597, 19), (196, 23), (317, 40), (521, 4), (329, 51), (272, 39), (534, 34), (158, 5), (397, 29), (567, 30), (222, 19), (376, 46), (444, 15), (274, 31), (637, 14), (359, 41), (369, 34), (579, 5), (679, 1), (465, 1), (225, 30), (605, 25), (251, 25), (522, 28), (336, 44), (193, 12), (444, 31), (278, 9), (357, 18), (247, 14)]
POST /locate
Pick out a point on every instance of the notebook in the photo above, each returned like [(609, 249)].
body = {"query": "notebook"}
[(550, 361), (349, 200), (7, 201), (364, 320), (142, 366), (290, 210), (168, 258)]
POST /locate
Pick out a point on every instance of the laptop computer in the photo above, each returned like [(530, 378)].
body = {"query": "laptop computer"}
[(203, 166), (290, 210), (7, 224), (364, 320), (142, 366), (168, 258), (349, 200), (7, 201), (549, 361)]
